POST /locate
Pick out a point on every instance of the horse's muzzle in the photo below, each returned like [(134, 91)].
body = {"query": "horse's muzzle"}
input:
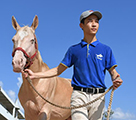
[(18, 61)]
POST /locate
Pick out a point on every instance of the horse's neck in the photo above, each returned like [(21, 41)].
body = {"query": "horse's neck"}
[(37, 66)]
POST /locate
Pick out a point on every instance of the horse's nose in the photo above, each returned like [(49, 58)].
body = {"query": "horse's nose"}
[(12, 62), (18, 62)]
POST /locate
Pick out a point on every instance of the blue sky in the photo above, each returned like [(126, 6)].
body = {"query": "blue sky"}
[(59, 29)]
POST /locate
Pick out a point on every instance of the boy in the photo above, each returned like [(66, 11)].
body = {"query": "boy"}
[(90, 59)]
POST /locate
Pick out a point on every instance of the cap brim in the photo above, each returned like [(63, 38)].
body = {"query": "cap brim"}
[(98, 14)]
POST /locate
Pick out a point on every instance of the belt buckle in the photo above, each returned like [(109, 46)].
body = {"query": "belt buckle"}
[(93, 90)]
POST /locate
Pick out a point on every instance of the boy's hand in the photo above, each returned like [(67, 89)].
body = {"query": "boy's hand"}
[(117, 82), (29, 73)]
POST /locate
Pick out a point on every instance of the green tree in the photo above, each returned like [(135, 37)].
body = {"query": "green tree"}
[(105, 115)]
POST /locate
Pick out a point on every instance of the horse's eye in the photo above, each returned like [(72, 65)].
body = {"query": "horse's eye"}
[(32, 41), (13, 40)]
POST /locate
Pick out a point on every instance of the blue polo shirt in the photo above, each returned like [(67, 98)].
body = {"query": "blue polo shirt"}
[(90, 63)]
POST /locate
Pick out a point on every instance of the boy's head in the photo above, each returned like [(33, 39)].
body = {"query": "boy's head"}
[(88, 13)]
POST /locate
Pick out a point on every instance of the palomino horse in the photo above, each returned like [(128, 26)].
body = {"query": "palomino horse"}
[(57, 90)]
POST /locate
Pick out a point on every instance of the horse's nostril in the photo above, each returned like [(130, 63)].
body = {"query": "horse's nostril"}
[(12, 63), (21, 60)]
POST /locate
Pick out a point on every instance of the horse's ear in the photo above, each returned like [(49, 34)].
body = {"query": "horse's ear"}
[(35, 22), (15, 25)]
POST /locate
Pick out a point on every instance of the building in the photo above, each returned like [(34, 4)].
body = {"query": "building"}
[(8, 109)]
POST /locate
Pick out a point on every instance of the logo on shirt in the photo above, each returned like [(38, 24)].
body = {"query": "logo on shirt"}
[(99, 56)]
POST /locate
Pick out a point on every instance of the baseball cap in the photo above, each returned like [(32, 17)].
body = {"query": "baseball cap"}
[(90, 12)]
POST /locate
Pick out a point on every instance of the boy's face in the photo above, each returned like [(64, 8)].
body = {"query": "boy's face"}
[(91, 25)]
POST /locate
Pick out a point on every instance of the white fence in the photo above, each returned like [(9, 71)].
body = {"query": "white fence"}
[(8, 109)]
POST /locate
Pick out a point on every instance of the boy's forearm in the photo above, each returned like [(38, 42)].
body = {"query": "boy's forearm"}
[(51, 72), (114, 74), (47, 74)]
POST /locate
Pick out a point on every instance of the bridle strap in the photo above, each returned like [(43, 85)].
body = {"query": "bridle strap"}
[(21, 49), (29, 59)]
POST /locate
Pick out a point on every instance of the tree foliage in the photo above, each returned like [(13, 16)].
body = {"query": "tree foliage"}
[(105, 114)]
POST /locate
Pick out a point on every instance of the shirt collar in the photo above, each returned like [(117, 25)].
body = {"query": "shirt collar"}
[(83, 43)]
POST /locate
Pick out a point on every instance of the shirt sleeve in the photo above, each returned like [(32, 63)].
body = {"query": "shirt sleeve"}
[(110, 60), (67, 60)]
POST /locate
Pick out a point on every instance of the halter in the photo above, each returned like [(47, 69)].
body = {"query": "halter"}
[(29, 61)]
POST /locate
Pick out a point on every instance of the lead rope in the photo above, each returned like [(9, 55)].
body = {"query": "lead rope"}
[(75, 107), (110, 103)]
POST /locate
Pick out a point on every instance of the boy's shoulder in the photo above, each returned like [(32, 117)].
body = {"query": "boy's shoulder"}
[(104, 45)]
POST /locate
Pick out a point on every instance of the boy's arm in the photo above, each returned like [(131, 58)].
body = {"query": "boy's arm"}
[(47, 74), (117, 81)]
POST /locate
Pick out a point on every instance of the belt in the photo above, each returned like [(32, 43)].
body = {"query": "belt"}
[(90, 90)]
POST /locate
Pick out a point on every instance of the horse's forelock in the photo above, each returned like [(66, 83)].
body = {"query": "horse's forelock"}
[(28, 29)]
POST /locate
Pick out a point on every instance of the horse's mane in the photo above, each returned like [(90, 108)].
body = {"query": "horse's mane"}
[(39, 58), (41, 63)]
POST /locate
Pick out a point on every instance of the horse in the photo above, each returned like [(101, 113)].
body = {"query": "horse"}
[(56, 89)]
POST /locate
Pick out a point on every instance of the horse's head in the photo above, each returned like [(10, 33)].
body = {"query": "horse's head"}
[(25, 45)]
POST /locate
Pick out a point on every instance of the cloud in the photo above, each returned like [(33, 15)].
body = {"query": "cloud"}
[(12, 95), (120, 115), (1, 83), (19, 81)]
